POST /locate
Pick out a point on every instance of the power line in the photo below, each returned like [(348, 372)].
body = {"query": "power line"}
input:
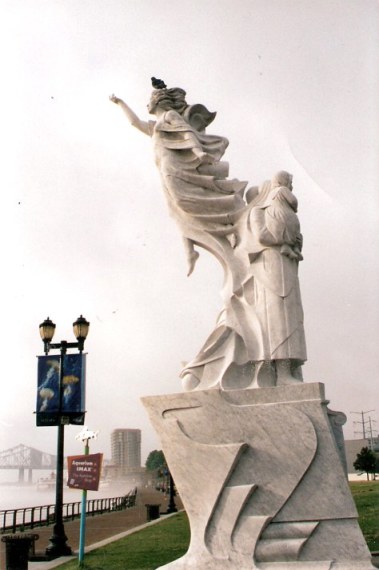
[(366, 424)]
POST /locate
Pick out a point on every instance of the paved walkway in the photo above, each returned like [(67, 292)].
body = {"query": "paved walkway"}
[(100, 529), (103, 529)]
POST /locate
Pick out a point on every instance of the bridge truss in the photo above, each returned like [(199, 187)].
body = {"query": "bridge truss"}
[(23, 457)]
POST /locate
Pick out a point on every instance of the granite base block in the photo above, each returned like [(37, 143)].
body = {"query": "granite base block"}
[(261, 473)]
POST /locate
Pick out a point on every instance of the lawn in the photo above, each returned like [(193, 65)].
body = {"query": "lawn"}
[(144, 550), (163, 542), (366, 497)]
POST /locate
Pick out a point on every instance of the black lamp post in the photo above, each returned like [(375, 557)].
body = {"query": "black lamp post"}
[(171, 507), (58, 546)]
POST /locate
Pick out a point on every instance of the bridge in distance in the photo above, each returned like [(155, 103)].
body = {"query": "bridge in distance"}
[(26, 458)]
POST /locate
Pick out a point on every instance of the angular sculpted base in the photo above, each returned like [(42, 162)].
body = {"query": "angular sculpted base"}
[(262, 477)]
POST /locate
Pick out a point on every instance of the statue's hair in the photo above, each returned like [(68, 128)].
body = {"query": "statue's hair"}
[(174, 98), (282, 178)]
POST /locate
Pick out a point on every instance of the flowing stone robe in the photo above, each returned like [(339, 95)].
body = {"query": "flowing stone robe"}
[(199, 196)]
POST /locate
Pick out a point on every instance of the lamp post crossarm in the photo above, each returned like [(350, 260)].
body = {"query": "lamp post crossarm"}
[(64, 345)]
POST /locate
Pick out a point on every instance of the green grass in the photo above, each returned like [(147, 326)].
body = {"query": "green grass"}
[(167, 540), (366, 497), (144, 550)]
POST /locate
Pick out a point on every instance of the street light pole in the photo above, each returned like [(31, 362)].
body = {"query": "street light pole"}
[(171, 507), (58, 540)]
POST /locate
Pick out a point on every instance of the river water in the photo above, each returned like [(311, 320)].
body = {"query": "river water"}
[(15, 496)]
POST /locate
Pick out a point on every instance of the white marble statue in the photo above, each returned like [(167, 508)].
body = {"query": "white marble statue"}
[(269, 490), (258, 339), (187, 160)]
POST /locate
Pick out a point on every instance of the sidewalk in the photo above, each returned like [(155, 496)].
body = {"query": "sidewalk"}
[(103, 529), (100, 529)]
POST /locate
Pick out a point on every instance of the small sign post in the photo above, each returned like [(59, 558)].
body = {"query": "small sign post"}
[(84, 473)]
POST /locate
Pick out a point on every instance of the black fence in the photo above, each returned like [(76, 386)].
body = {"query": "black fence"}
[(13, 520)]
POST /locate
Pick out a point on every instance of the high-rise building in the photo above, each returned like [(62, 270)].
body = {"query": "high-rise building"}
[(126, 449)]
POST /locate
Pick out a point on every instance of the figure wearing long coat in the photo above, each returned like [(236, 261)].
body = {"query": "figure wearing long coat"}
[(263, 320)]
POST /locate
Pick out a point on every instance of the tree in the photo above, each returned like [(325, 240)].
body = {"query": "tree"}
[(155, 460), (365, 461)]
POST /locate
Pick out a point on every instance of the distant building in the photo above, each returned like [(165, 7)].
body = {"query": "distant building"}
[(126, 450), (354, 446)]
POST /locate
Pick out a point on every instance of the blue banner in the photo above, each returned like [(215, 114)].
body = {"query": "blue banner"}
[(61, 390)]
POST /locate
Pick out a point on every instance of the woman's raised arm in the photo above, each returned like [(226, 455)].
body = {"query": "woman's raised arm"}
[(142, 126)]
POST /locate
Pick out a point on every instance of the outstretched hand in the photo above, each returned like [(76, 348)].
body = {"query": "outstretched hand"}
[(114, 99)]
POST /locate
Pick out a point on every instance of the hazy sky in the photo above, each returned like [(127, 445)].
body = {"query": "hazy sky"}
[(84, 224)]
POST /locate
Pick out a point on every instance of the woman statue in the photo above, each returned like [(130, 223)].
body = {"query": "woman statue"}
[(259, 338), (199, 196)]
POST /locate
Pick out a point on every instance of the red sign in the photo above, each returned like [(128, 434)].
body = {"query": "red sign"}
[(84, 471)]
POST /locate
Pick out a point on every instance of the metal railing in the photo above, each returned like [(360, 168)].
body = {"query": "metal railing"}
[(13, 520)]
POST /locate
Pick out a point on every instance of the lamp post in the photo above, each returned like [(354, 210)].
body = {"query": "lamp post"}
[(58, 546), (171, 507), (170, 491)]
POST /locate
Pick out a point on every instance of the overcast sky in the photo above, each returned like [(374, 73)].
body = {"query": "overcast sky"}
[(84, 224)]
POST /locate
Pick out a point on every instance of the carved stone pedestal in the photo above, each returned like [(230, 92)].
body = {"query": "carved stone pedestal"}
[(261, 475)]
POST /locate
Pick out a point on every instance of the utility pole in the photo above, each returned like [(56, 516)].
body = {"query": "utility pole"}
[(364, 422), (371, 434)]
